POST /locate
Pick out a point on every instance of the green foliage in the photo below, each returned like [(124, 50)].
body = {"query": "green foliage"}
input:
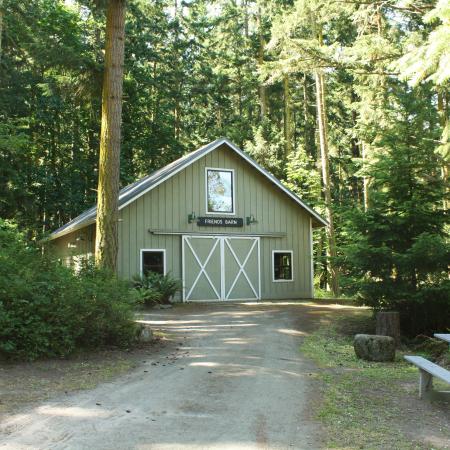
[(14, 156), (399, 252), (427, 55), (156, 288), (47, 310), (302, 177), (147, 292), (267, 148)]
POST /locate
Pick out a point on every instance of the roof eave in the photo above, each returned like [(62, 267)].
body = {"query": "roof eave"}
[(317, 220), (58, 234)]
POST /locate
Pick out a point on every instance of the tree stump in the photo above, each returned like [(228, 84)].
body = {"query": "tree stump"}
[(388, 324)]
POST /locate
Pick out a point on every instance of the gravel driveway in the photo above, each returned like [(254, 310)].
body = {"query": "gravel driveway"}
[(234, 379)]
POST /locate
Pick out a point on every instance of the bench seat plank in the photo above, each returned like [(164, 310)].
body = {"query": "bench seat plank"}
[(431, 368), (443, 336)]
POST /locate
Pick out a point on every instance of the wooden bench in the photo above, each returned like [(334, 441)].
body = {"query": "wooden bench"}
[(443, 336), (428, 370)]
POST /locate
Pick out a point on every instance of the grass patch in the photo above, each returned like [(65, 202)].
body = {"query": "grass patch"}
[(369, 405)]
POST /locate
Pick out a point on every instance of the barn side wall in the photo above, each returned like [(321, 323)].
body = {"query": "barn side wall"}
[(71, 247)]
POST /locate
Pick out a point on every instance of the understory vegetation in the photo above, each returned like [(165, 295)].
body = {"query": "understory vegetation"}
[(47, 309), (154, 288), (375, 405)]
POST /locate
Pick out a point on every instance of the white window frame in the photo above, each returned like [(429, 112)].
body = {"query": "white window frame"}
[(273, 266), (233, 187), (163, 250)]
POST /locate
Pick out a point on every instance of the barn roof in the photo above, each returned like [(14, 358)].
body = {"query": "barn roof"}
[(133, 191)]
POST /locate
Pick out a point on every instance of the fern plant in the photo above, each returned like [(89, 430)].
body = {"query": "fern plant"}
[(156, 288)]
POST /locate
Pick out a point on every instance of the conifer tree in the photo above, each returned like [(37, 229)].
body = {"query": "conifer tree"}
[(106, 243), (297, 38)]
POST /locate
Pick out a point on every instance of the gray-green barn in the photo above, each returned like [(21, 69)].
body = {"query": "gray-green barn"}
[(215, 219)]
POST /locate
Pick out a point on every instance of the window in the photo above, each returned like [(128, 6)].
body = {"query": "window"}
[(153, 261), (282, 265), (219, 191)]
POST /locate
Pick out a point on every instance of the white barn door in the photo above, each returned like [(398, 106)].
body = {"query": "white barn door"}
[(240, 277), (221, 268)]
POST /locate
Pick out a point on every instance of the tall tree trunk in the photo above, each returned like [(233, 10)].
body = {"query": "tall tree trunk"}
[(309, 131), (287, 117), (444, 120), (178, 82), (261, 88), (245, 6), (1, 27), (365, 178), (323, 138), (177, 111), (106, 242)]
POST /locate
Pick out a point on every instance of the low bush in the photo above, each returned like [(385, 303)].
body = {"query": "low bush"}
[(48, 310)]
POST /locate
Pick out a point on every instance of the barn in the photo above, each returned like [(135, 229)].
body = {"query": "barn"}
[(216, 220)]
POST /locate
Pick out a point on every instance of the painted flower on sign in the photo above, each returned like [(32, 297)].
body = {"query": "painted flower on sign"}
[(220, 191)]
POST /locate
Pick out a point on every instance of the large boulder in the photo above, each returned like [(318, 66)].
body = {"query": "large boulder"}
[(144, 333), (373, 347)]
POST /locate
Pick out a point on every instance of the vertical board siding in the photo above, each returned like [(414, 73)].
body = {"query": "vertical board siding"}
[(80, 243), (167, 206)]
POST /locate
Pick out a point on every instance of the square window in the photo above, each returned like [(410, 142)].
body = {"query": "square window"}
[(219, 191), (153, 261), (282, 266)]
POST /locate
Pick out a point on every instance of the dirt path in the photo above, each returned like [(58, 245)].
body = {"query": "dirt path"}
[(236, 380)]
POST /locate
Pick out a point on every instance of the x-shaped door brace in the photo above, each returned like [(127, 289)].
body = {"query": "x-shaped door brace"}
[(202, 268), (241, 268)]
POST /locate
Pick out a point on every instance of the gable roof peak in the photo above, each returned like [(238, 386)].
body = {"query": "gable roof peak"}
[(133, 191)]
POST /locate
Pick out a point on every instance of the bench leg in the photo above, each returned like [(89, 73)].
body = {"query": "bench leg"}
[(425, 383)]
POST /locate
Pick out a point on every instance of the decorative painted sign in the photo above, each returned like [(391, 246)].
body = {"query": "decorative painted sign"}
[(220, 221)]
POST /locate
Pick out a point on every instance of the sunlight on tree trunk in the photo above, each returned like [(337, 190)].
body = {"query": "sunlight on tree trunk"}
[(323, 138), (365, 178), (287, 116), (1, 26), (106, 245), (261, 87), (442, 107)]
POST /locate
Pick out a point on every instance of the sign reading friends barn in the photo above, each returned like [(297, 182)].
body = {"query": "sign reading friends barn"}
[(220, 221)]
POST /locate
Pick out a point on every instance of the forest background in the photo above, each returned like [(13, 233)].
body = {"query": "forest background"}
[(345, 101)]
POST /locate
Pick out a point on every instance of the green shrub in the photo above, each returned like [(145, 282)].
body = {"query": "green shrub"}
[(106, 309), (48, 310), (397, 272), (155, 288)]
